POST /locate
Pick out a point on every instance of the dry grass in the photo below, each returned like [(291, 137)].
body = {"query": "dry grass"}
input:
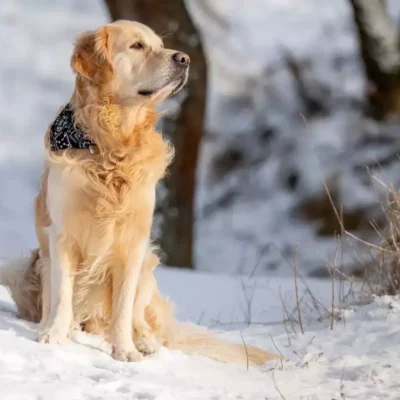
[(382, 273)]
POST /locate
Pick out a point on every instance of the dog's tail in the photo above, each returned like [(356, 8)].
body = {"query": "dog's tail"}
[(12, 272), (192, 339), (21, 277)]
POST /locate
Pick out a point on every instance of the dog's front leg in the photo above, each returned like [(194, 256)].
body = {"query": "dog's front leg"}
[(57, 327), (125, 282), (45, 274)]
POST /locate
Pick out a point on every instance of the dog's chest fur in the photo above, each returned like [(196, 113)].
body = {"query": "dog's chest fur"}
[(75, 203), (98, 209)]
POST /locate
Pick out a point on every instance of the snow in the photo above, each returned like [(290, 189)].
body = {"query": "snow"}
[(358, 359)]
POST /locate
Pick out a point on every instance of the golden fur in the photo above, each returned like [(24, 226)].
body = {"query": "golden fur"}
[(104, 203)]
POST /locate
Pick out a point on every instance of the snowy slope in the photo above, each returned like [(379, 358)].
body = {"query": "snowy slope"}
[(357, 360)]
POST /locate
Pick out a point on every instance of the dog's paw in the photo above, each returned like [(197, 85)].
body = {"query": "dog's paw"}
[(123, 355), (52, 337), (144, 339), (147, 345)]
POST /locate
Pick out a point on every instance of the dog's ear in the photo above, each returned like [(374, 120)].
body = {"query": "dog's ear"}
[(91, 58)]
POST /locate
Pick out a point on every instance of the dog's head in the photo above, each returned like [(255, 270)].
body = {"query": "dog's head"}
[(128, 61)]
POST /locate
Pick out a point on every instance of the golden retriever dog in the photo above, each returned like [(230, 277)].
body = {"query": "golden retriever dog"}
[(94, 267)]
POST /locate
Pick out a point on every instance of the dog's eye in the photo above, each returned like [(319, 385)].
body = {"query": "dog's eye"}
[(136, 46)]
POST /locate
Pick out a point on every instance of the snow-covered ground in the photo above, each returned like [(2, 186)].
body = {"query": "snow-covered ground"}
[(358, 359)]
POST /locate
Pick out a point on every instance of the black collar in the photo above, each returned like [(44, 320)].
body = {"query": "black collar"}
[(65, 135)]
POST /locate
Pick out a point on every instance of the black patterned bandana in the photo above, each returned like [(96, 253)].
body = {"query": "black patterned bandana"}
[(64, 135)]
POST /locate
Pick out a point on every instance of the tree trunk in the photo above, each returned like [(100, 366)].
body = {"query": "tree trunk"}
[(171, 18), (380, 55)]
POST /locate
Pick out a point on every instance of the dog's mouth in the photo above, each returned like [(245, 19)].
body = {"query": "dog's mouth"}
[(146, 92), (180, 84)]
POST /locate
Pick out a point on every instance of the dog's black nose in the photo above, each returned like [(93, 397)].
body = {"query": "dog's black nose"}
[(181, 58)]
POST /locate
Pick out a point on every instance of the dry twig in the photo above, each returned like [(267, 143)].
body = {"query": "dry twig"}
[(247, 353), (285, 316), (276, 347), (276, 386), (297, 292), (333, 285)]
